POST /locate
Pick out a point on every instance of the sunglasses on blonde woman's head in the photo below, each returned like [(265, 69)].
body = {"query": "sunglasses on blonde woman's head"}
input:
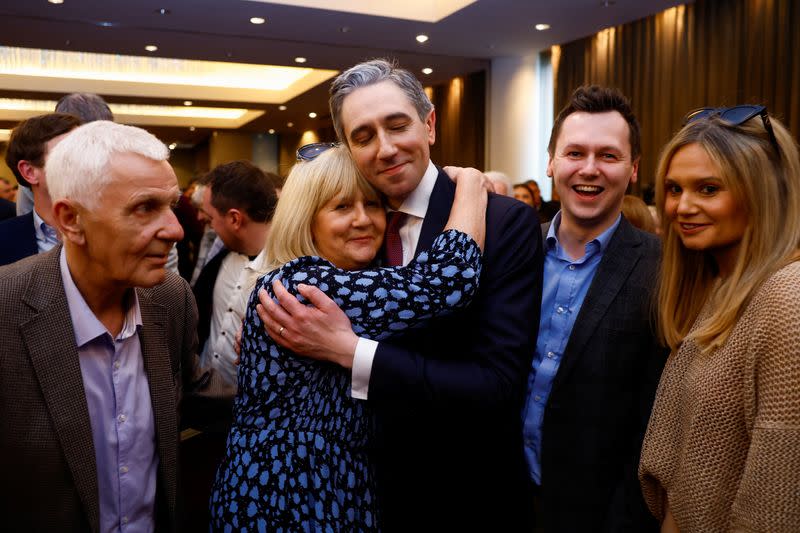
[(309, 152), (735, 116)]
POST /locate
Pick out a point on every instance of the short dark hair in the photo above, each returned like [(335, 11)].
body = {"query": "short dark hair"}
[(86, 106), (242, 185), (596, 99), (28, 140)]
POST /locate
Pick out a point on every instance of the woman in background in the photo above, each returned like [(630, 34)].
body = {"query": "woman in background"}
[(722, 450), (297, 454)]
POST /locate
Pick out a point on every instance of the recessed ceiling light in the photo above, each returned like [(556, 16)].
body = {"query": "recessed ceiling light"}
[(192, 128), (257, 20), (271, 131), (151, 48), (344, 29), (173, 146), (163, 11), (312, 115), (290, 124), (542, 27), (299, 59), (421, 38), (56, 1), (187, 102), (427, 70), (282, 108)]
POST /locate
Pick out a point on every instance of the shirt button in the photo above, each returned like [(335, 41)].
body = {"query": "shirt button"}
[(124, 470), (560, 310), (537, 398), (122, 418), (124, 519), (116, 365), (550, 355), (230, 310), (238, 286), (572, 267), (216, 355), (223, 333)]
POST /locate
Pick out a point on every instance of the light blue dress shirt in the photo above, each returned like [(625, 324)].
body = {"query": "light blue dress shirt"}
[(120, 413), (566, 283), (46, 235)]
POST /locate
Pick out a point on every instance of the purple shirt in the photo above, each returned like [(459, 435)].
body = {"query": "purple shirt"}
[(120, 412)]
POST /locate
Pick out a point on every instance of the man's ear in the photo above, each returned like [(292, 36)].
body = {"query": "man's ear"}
[(635, 174), (67, 218), (28, 171), (235, 218), (430, 123), (550, 166)]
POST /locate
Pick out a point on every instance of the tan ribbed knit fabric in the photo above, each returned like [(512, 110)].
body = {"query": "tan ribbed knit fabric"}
[(723, 443)]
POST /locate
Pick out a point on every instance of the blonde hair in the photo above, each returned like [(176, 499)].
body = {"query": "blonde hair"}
[(765, 182), (309, 186), (635, 210)]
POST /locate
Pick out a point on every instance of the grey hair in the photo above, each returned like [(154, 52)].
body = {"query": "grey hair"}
[(86, 106), (77, 168), (496, 176), (370, 73)]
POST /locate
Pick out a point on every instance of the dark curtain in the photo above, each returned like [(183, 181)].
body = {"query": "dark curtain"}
[(710, 53)]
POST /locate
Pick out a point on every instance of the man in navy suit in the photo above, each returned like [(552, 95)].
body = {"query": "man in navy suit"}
[(447, 397), (597, 360), (28, 147)]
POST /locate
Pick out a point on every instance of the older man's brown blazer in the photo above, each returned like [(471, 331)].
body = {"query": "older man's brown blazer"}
[(47, 458)]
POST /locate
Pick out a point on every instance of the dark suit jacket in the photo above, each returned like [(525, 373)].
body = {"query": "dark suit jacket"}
[(7, 209), (448, 396), (602, 395), (48, 461), (17, 239)]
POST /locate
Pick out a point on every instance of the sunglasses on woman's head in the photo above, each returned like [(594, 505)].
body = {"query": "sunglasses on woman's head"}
[(735, 116), (309, 152)]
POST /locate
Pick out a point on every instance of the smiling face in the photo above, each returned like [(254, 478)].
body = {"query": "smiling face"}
[(348, 232), (128, 238), (388, 142), (591, 167), (702, 210)]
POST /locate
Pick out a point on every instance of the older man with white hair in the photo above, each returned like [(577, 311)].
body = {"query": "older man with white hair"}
[(92, 339)]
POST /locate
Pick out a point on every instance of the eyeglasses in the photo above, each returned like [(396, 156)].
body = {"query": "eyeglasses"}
[(309, 152), (735, 116)]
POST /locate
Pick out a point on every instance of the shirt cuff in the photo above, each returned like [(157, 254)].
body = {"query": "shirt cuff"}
[(362, 368)]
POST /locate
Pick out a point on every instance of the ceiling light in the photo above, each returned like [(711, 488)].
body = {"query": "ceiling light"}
[(271, 131), (299, 59), (421, 38), (192, 128), (282, 108), (312, 115), (56, 1), (257, 20), (344, 29), (151, 48), (542, 27), (427, 70), (163, 11), (187, 102), (290, 124), (173, 146)]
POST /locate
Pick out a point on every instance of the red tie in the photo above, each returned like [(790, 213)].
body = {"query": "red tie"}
[(393, 244)]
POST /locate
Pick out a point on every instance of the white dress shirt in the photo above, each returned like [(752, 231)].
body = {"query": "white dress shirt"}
[(415, 206)]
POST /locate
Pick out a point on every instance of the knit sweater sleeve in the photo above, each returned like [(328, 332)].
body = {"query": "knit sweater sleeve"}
[(768, 497)]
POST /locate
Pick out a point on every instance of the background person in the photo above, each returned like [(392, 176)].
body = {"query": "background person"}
[(723, 443)]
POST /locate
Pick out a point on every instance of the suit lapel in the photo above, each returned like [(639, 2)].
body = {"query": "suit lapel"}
[(50, 340), (438, 211), (156, 355), (618, 261)]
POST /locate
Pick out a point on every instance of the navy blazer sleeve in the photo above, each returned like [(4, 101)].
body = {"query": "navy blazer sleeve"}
[(480, 359)]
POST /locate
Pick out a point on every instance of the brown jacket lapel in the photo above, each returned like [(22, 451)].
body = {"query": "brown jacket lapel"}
[(50, 339)]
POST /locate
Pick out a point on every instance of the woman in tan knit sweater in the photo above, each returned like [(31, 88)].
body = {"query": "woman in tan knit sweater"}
[(722, 450)]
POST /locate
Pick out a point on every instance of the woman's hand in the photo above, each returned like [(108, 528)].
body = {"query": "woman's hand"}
[(468, 213), (459, 174)]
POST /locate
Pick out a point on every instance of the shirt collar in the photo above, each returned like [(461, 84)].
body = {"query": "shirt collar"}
[(417, 202), (44, 231), (84, 322), (601, 240)]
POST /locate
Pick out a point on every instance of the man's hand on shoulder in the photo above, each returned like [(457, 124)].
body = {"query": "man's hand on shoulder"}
[(320, 331)]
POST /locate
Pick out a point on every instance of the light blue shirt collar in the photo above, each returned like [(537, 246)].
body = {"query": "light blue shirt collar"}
[(46, 235), (84, 322), (602, 240)]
